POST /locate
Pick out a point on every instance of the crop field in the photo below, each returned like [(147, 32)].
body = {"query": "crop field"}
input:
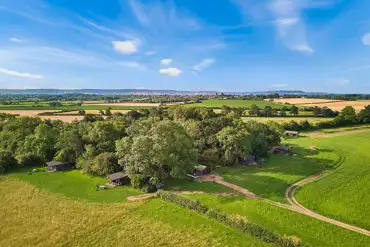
[(217, 103), (302, 101), (29, 113), (344, 194), (92, 112), (38, 107), (41, 218), (288, 119), (338, 106)]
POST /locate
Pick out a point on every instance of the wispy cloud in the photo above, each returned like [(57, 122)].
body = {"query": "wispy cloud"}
[(173, 72), (132, 64), (163, 16), (17, 40), (166, 61), (150, 53), (20, 74), (205, 63), (126, 47), (366, 39)]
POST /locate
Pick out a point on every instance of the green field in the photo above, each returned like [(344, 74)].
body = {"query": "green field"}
[(217, 103), (272, 178), (311, 231), (343, 195), (69, 107), (41, 218), (76, 185)]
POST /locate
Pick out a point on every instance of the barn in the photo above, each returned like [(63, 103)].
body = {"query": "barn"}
[(118, 178), (54, 166)]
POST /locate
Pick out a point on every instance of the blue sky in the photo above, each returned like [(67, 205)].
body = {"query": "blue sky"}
[(224, 45)]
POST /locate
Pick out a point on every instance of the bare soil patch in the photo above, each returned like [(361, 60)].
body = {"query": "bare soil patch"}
[(63, 118)]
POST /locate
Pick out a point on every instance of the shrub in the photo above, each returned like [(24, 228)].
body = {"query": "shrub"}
[(182, 201), (6, 161)]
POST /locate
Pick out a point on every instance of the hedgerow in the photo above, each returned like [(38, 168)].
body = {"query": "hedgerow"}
[(237, 222)]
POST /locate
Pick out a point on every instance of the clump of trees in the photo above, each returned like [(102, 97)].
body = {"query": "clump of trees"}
[(150, 145)]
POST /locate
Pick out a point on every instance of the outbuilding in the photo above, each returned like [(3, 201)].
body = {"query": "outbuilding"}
[(290, 133), (118, 178), (54, 166), (280, 150), (200, 170)]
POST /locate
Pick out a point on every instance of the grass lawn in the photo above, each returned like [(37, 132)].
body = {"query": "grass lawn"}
[(216, 103), (191, 185), (311, 231), (76, 185), (34, 217), (345, 194), (272, 178), (69, 107)]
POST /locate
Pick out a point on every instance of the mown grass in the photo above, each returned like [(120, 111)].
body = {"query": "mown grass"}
[(343, 195), (217, 103), (34, 217), (271, 178), (76, 185), (191, 185), (309, 230)]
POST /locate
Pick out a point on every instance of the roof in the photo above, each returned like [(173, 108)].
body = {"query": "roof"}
[(117, 175), (56, 163), (285, 148), (291, 132), (200, 168)]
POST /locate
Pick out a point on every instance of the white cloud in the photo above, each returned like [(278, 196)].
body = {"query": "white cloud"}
[(150, 53), (366, 39), (132, 64), (166, 61), (286, 21), (205, 63), (16, 40), (19, 74), (173, 72), (127, 47), (303, 48)]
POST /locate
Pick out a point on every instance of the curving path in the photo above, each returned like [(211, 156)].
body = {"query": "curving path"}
[(293, 205)]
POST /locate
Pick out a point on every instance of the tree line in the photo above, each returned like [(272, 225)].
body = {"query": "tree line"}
[(150, 145)]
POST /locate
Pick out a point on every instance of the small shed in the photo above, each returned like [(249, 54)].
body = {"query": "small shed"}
[(281, 150), (118, 178), (290, 133), (200, 170), (54, 166), (251, 160)]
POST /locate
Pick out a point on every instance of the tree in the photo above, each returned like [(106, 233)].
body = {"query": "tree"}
[(70, 145), (268, 111), (235, 145), (108, 112), (42, 143), (102, 165), (7, 161), (254, 110), (294, 110), (364, 115)]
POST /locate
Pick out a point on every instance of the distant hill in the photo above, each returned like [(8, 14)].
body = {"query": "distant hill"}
[(142, 92)]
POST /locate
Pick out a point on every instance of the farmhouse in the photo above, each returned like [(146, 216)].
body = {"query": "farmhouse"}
[(291, 133), (280, 150), (118, 178), (54, 166)]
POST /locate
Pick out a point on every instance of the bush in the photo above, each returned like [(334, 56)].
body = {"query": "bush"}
[(30, 159), (7, 161)]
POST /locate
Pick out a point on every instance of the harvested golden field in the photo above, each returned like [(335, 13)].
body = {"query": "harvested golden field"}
[(30, 113), (302, 101), (338, 106)]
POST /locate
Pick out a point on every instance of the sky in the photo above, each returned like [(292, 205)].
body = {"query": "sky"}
[(221, 45)]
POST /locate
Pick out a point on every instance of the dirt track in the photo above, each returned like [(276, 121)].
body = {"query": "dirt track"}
[(339, 133)]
